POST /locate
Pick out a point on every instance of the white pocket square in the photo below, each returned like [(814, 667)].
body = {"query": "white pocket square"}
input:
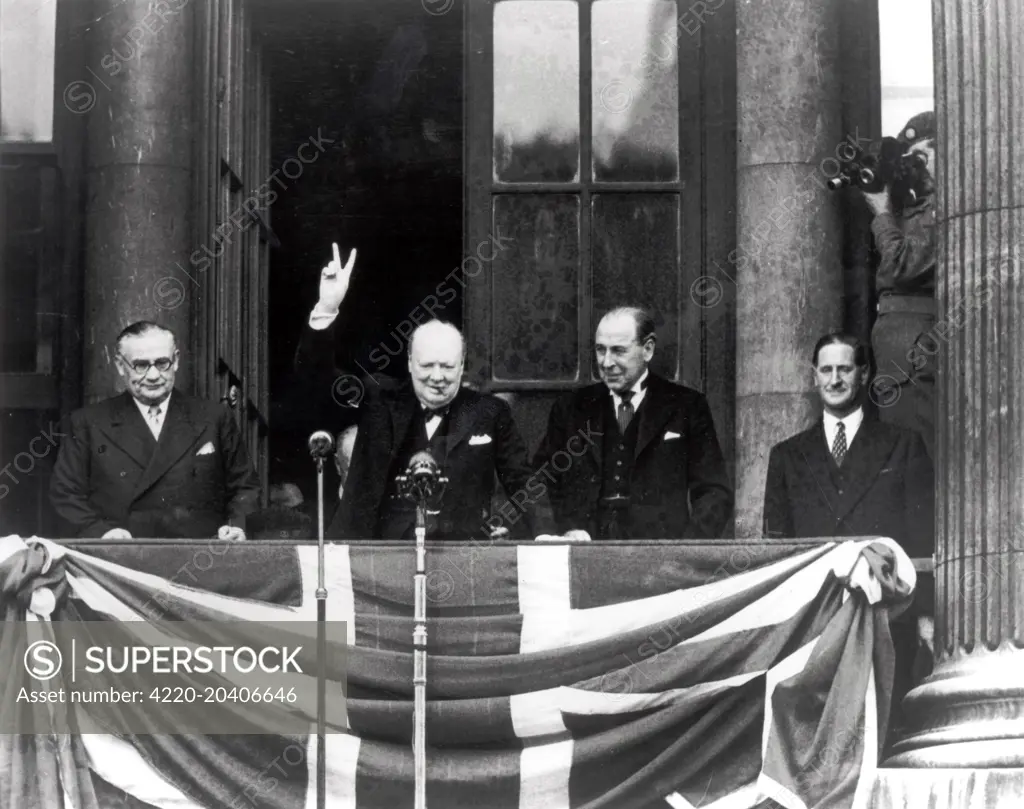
[(206, 449), (669, 435), (476, 440)]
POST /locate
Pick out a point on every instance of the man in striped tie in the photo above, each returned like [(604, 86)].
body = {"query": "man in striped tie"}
[(657, 471), (852, 474)]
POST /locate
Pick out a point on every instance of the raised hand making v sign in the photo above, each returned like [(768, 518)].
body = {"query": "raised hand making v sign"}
[(334, 279)]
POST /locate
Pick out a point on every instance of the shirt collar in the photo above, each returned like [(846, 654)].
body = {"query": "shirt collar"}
[(162, 407), (639, 386), (434, 412), (851, 422)]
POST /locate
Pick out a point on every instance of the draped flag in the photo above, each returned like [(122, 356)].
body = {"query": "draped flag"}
[(591, 676)]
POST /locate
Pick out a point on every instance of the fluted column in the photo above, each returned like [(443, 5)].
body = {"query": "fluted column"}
[(788, 262), (970, 712), (135, 92)]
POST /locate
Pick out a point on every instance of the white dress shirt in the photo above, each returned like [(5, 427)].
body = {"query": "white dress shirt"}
[(155, 423), (638, 394), (852, 423), (432, 424)]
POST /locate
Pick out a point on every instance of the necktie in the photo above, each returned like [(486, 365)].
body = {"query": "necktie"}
[(625, 411), (839, 444), (154, 419)]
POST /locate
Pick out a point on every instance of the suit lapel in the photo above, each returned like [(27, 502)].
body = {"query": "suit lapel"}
[(177, 437), (812, 448), (868, 452), (593, 418), (460, 422), (128, 432), (653, 413), (402, 407)]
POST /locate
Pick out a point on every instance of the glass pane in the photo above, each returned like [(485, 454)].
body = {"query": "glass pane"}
[(636, 263), (27, 311), (635, 90), (536, 91), (27, 32), (905, 34), (535, 289)]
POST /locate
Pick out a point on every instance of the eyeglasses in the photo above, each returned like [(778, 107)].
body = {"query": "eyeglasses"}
[(141, 367)]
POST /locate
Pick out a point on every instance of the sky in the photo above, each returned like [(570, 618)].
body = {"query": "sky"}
[(905, 28)]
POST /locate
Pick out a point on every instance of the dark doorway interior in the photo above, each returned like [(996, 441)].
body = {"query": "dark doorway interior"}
[(383, 80)]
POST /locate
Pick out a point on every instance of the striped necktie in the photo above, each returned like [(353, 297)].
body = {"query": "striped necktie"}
[(839, 444), (624, 414)]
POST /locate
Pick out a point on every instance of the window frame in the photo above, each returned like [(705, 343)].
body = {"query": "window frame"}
[(232, 156), (481, 188), (38, 389)]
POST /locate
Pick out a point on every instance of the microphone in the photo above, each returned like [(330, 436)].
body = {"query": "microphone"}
[(321, 444), (422, 466), (422, 479)]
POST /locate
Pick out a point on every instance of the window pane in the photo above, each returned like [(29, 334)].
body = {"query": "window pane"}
[(635, 90), (905, 34), (27, 32), (536, 287), (536, 91), (636, 262), (27, 311)]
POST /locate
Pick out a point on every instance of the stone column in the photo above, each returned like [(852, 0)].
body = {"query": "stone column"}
[(788, 263), (862, 119), (135, 91), (970, 712)]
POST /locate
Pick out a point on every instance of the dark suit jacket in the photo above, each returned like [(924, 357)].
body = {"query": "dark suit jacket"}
[(481, 439), (679, 488), (103, 480), (889, 488)]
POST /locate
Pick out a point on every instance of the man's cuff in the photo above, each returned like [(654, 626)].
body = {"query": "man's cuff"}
[(320, 318)]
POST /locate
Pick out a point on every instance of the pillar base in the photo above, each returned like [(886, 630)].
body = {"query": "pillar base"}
[(969, 713), (948, 789)]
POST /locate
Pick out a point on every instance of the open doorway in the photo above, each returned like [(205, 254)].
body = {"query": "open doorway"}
[(379, 85)]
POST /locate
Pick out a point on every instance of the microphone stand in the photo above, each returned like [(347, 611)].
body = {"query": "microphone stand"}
[(321, 637), (419, 640), (420, 488)]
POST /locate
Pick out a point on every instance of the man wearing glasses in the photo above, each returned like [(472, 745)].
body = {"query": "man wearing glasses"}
[(153, 462)]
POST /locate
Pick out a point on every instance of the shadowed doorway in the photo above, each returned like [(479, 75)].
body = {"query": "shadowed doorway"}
[(379, 84)]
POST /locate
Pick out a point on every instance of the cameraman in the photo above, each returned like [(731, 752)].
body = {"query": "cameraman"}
[(904, 387), (905, 237)]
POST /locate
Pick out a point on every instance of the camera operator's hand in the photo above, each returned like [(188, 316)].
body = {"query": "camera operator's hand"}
[(334, 280), (879, 201)]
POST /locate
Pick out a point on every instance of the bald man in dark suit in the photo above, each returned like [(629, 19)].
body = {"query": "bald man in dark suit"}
[(653, 468)]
